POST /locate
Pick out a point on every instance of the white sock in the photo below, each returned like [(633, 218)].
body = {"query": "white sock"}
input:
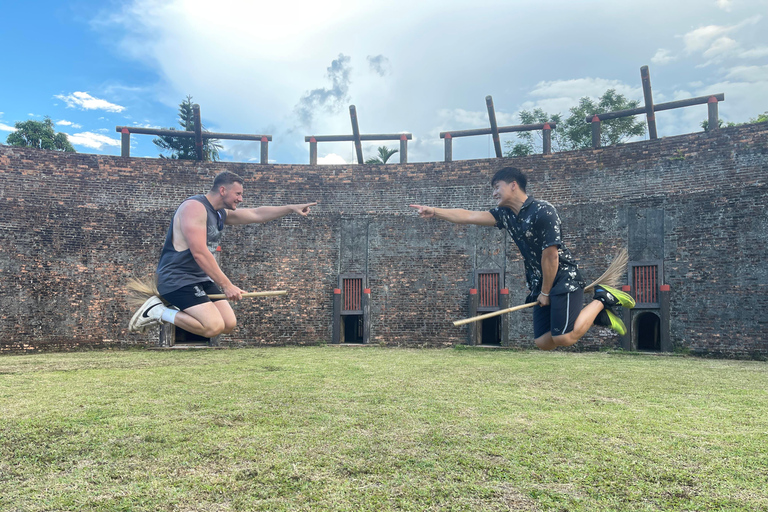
[(169, 314)]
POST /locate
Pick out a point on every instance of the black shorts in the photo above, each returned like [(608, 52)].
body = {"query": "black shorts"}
[(560, 316), (192, 295)]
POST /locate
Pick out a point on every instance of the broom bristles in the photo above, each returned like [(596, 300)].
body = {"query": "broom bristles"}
[(615, 273), (139, 290)]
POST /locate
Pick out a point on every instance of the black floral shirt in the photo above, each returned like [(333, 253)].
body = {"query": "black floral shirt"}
[(534, 228)]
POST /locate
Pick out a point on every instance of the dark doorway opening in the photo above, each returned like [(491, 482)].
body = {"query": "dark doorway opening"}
[(648, 332), (353, 328), (189, 338), (490, 331)]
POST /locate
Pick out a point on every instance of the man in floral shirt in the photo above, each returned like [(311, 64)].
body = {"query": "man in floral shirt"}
[(551, 272)]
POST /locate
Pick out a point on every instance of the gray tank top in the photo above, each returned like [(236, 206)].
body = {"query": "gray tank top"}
[(177, 269)]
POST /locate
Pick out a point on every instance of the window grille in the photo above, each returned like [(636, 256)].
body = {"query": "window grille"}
[(645, 282), (352, 289), (488, 290)]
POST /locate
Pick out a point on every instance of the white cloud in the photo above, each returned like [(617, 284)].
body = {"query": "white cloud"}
[(460, 119), (754, 53), (92, 140), (748, 74), (64, 122), (580, 87), (699, 39), (721, 47), (85, 101), (725, 4), (146, 125), (702, 38), (331, 159), (6, 128), (662, 56)]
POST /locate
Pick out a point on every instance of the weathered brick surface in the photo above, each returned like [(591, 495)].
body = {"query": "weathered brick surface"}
[(75, 227)]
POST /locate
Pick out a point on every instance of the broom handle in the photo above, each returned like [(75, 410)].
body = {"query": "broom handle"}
[(250, 294), (493, 313)]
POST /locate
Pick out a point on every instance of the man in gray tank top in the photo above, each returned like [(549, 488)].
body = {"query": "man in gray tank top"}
[(187, 272)]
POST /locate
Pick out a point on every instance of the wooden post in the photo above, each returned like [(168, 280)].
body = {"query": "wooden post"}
[(713, 122), (665, 344), (595, 132), (198, 132), (448, 147), (336, 336), (366, 299), (547, 133), (504, 320), (356, 134), (473, 303), (312, 151), (494, 126), (403, 149), (264, 150), (125, 142), (645, 76)]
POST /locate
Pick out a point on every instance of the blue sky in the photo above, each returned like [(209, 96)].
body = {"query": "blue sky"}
[(291, 69)]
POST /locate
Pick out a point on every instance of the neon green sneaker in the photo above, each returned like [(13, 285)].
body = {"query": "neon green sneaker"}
[(607, 318), (611, 297)]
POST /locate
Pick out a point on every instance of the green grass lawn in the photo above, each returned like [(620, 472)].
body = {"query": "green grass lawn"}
[(329, 428)]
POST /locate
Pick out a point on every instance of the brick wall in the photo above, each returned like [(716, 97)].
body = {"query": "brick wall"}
[(75, 227)]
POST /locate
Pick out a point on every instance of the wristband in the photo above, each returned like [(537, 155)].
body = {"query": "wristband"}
[(544, 294)]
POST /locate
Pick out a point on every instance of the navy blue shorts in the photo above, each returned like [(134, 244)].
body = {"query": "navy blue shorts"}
[(192, 295), (560, 316)]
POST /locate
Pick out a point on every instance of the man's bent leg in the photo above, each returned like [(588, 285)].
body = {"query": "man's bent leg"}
[(230, 321), (541, 328), (546, 342), (199, 315), (583, 322), (202, 319)]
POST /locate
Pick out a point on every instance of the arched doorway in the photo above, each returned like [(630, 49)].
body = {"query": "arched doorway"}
[(648, 332)]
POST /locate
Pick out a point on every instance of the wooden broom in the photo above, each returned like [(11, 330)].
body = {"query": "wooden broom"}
[(611, 277), (139, 290)]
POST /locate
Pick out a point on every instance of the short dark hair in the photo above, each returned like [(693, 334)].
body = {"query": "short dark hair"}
[(226, 178), (510, 174)]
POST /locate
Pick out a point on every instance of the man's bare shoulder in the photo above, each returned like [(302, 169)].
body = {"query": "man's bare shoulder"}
[(191, 208)]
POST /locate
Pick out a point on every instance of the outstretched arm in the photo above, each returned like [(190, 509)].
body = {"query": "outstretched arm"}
[(265, 213), (455, 215)]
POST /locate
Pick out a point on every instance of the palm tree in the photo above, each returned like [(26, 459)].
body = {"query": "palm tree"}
[(384, 154)]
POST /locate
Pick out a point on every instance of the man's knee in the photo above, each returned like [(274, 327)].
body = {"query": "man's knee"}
[(229, 327), (545, 342), (564, 340), (213, 327)]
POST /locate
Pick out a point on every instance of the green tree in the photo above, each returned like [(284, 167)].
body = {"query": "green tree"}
[(577, 133), (39, 134), (761, 118), (384, 154), (574, 132), (183, 148), (525, 144)]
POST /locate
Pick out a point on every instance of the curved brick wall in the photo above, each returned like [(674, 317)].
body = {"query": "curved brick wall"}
[(75, 227)]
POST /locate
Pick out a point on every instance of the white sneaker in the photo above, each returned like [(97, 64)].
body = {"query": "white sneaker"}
[(148, 314), (149, 325)]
